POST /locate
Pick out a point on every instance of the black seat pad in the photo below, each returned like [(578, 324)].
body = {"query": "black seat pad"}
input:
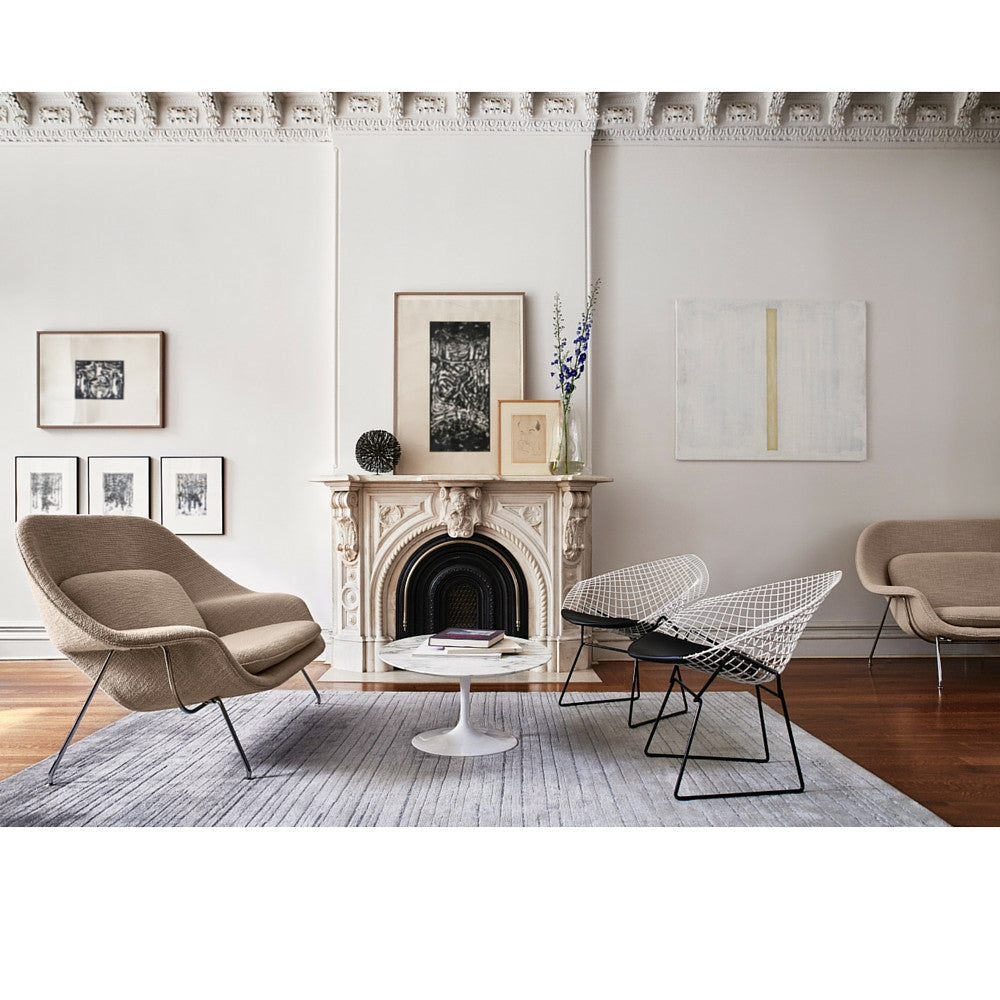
[(596, 621), (661, 648)]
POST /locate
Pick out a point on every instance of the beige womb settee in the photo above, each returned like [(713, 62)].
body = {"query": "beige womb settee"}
[(152, 623), (941, 577)]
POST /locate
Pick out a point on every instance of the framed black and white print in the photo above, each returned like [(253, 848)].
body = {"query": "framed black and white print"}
[(118, 485), (457, 355), (192, 501), (100, 379), (45, 484)]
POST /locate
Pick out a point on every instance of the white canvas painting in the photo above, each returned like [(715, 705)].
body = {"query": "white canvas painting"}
[(778, 380)]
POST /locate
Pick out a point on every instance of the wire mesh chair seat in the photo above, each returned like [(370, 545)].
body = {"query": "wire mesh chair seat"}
[(631, 601), (747, 636)]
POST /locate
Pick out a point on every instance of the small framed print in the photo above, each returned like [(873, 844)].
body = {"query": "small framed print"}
[(527, 432), (100, 379), (192, 501), (118, 485), (45, 485)]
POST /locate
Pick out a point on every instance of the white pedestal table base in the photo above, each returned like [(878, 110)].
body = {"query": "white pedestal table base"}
[(464, 739)]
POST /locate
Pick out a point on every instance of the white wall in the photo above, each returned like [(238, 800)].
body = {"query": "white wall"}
[(445, 213), (914, 232), (233, 251), (272, 269), (229, 250)]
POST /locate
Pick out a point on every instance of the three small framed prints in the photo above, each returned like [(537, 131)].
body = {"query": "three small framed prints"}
[(192, 497)]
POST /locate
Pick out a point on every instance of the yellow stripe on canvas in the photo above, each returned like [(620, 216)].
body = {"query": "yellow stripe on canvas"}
[(772, 379)]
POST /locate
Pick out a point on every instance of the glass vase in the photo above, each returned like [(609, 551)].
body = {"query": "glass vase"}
[(567, 457)]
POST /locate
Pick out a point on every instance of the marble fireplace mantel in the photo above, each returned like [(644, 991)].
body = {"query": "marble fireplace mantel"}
[(380, 520)]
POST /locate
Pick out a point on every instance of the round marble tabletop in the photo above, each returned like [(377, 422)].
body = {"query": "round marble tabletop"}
[(464, 739)]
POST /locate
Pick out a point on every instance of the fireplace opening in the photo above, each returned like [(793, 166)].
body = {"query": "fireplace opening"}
[(462, 583)]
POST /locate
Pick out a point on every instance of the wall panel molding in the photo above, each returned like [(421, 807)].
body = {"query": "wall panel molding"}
[(692, 118)]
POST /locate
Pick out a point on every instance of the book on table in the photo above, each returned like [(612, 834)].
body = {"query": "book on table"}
[(504, 647), (476, 638)]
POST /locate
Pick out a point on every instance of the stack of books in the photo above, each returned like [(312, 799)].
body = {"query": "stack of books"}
[(468, 642)]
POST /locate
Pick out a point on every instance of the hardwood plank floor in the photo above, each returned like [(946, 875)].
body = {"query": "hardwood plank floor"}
[(940, 748)]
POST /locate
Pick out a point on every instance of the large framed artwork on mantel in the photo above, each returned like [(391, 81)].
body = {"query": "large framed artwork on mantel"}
[(457, 355)]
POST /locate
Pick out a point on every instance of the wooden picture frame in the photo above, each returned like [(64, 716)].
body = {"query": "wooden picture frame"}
[(457, 354), (119, 485), (192, 494), (528, 429), (46, 484), (100, 379)]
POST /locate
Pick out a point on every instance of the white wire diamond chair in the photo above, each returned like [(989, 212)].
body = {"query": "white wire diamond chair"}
[(631, 601), (746, 636)]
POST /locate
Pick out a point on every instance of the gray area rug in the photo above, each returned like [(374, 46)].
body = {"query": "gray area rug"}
[(349, 763)]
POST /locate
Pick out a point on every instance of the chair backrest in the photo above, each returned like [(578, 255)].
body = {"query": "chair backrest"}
[(76, 547), (642, 592), (762, 624), (882, 540)]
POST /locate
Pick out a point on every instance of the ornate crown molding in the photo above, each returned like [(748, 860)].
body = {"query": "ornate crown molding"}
[(693, 118)]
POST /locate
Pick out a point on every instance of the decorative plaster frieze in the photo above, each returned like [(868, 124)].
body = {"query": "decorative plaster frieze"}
[(84, 108), (146, 107), (678, 114), (774, 108), (713, 117), (272, 109), (429, 105), (54, 115), (210, 103), (804, 113), (246, 115), (710, 115), (492, 105), (901, 112), (839, 109), (17, 112)]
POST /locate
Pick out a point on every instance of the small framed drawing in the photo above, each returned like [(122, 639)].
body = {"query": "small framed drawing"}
[(457, 355), (45, 485), (191, 495), (118, 485), (100, 379), (527, 432)]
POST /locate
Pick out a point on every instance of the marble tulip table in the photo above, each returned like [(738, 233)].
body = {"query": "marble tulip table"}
[(464, 739)]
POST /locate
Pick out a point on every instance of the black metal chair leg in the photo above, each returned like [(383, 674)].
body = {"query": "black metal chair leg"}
[(72, 732), (687, 755), (675, 678), (878, 634), (313, 686), (236, 739), (631, 697)]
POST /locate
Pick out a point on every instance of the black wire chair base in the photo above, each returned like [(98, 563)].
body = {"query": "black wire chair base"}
[(180, 705), (686, 756), (590, 644)]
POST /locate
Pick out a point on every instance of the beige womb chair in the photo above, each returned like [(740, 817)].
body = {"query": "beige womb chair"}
[(153, 624), (940, 578)]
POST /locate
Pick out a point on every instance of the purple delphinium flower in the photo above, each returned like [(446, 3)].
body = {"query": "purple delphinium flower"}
[(568, 364)]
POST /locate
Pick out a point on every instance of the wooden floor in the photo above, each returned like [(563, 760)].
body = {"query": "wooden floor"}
[(941, 748)]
